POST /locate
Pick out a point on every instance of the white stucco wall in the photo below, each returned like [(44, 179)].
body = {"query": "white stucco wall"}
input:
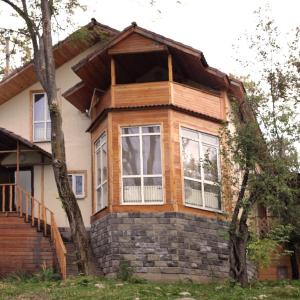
[(15, 115)]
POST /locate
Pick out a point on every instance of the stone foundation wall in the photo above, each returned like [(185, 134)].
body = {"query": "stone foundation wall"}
[(162, 246)]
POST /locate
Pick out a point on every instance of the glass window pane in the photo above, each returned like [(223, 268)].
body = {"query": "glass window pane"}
[(151, 129), (191, 134), (132, 190), (79, 185), (193, 193), (39, 107), (102, 139), (153, 189), (104, 162), (48, 131), (130, 130), (210, 163), (151, 154), (210, 139), (39, 131), (99, 198), (104, 195), (191, 158), (131, 155), (98, 158), (212, 196)]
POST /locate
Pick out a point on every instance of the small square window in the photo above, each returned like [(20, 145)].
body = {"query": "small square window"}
[(76, 181)]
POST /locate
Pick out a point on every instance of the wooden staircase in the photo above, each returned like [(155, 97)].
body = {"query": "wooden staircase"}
[(22, 247), (29, 237)]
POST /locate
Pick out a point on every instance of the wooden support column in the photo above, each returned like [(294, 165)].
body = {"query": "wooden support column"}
[(170, 71), (43, 180), (18, 164), (170, 67), (18, 198), (113, 80)]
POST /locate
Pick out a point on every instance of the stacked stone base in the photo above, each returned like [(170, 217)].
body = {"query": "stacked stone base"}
[(162, 246)]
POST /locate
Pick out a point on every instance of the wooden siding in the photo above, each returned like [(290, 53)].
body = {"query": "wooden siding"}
[(139, 94), (105, 101), (135, 43), (278, 260), (197, 100)]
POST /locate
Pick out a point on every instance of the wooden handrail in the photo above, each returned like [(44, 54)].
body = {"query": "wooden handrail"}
[(37, 210)]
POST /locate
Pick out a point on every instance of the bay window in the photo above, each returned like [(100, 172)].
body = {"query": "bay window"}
[(41, 118), (101, 172), (200, 153), (141, 165)]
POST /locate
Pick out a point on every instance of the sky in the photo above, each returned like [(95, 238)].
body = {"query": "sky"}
[(211, 26)]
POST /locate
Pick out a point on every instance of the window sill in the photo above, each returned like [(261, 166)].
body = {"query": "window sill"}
[(142, 204), (206, 209), (41, 142)]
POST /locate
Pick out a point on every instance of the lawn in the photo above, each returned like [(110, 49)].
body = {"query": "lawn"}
[(99, 288)]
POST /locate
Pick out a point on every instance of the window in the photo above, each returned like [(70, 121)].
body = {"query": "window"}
[(141, 165), (101, 172), (41, 118), (200, 154), (77, 183)]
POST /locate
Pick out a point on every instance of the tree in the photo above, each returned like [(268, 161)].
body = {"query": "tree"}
[(261, 147), (38, 17)]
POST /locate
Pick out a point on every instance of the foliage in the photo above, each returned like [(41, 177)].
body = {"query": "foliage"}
[(125, 272), (21, 50), (259, 249), (99, 288), (261, 145)]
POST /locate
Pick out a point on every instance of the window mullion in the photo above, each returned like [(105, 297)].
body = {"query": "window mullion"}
[(141, 164), (201, 170)]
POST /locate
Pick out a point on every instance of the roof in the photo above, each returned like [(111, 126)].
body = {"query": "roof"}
[(74, 44), (94, 69), (8, 141)]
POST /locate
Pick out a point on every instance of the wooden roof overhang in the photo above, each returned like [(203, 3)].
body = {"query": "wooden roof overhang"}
[(95, 69), (74, 44), (10, 140)]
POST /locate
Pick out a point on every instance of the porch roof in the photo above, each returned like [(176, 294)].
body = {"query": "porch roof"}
[(8, 142)]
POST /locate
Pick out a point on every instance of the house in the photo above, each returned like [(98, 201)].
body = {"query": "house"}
[(140, 114)]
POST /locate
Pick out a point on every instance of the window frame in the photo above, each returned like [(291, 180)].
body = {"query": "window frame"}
[(140, 134), (202, 180), (100, 186), (84, 182), (45, 121)]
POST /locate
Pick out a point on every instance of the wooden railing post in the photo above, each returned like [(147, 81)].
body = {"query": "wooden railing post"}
[(3, 198), (32, 211), (39, 212), (26, 206), (10, 198), (20, 194), (39, 216)]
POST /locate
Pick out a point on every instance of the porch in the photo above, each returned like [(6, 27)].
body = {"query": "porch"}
[(28, 229)]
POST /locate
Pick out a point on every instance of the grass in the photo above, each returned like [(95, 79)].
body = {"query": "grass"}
[(36, 288)]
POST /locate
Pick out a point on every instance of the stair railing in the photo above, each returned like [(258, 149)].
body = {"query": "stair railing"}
[(27, 206)]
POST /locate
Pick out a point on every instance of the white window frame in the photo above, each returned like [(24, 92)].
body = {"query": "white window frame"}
[(140, 134), (202, 180), (82, 175), (102, 183), (45, 121)]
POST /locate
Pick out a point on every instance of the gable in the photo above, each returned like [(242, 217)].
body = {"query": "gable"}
[(135, 43)]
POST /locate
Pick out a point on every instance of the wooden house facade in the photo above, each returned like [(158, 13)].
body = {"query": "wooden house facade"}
[(142, 116)]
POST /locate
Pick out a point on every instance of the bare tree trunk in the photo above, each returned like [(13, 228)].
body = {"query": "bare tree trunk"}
[(238, 239), (294, 261), (79, 234)]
